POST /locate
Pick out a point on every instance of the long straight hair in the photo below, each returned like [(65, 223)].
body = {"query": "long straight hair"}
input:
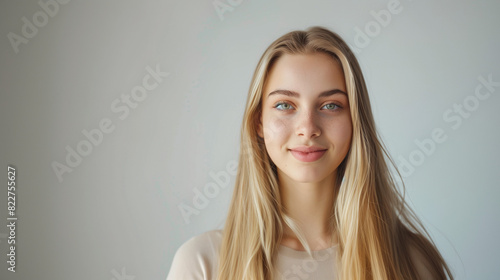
[(376, 229)]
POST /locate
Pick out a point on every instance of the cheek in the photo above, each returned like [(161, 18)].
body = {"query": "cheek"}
[(341, 133), (275, 129)]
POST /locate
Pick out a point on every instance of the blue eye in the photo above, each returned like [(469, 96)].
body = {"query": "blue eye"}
[(283, 105), (332, 106)]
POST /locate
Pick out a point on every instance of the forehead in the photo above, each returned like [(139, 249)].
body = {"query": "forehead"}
[(305, 73)]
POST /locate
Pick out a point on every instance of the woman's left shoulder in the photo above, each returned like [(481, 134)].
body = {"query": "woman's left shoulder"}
[(196, 259)]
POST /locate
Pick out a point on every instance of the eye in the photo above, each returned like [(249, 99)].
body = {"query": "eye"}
[(331, 106), (283, 106)]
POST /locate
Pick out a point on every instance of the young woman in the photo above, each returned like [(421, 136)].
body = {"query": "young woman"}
[(314, 198)]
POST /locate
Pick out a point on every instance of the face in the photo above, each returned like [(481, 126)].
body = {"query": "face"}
[(306, 120)]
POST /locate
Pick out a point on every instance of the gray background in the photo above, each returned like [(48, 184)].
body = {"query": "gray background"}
[(116, 215)]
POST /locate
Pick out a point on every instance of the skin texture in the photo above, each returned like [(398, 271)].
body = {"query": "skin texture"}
[(287, 122)]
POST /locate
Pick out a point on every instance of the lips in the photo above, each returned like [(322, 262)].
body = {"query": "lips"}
[(308, 154)]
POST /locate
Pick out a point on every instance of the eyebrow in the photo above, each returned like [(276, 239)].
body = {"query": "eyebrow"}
[(295, 94)]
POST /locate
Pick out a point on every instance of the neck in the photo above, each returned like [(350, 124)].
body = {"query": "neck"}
[(311, 206)]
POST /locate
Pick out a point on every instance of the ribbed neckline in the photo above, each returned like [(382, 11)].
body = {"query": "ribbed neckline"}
[(287, 251)]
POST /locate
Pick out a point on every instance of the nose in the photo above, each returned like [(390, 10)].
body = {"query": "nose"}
[(307, 125)]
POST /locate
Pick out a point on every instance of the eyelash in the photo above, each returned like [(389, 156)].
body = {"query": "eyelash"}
[(337, 107)]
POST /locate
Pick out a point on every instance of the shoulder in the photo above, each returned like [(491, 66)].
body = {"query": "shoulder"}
[(197, 257), (205, 244)]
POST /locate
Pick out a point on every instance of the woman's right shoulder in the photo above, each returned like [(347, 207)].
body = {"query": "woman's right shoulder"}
[(197, 257), (205, 244)]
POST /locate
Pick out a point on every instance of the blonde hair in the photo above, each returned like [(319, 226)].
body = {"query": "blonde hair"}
[(375, 227)]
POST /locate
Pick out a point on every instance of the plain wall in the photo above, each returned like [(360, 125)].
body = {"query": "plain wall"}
[(116, 212)]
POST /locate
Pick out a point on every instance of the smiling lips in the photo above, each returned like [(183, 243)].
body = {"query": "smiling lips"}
[(308, 154)]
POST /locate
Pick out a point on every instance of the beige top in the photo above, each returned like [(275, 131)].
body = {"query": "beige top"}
[(196, 260)]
